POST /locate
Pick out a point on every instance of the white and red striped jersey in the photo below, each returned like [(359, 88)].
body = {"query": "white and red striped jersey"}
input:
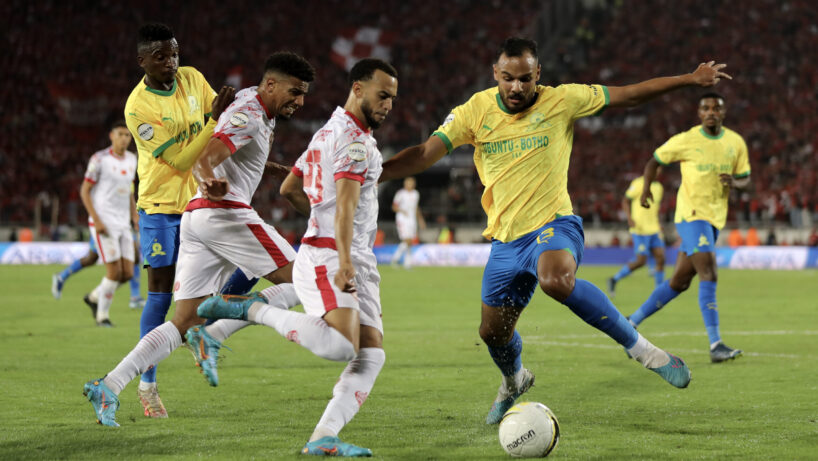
[(342, 148), (246, 128), (112, 177), (407, 203)]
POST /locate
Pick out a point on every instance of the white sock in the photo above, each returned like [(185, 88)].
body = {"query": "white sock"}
[(281, 296), (407, 260), (350, 391), (399, 252), (512, 382), (143, 386), (93, 296), (105, 292), (150, 350), (309, 331), (647, 354), (224, 328)]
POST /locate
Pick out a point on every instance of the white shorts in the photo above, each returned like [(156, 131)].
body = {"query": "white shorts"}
[(115, 245), (214, 241), (314, 280), (407, 228)]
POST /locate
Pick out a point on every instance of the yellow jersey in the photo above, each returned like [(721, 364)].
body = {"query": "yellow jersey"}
[(645, 220), (522, 158), (703, 158), (162, 124)]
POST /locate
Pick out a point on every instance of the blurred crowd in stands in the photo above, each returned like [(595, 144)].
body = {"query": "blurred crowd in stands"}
[(68, 68)]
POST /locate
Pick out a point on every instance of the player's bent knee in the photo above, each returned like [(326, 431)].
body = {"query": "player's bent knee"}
[(340, 350), (495, 337), (557, 284)]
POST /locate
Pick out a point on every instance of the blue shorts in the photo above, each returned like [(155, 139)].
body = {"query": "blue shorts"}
[(159, 238), (697, 236), (510, 277), (642, 244)]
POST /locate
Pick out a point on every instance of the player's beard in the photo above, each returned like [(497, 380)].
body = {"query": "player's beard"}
[(366, 108)]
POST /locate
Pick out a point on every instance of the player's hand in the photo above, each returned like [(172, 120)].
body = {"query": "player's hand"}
[(100, 228), (345, 278), (135, 221), (646, 199), (214, 188), (225, 97), (726, 180), (631, 223), (709, 73)]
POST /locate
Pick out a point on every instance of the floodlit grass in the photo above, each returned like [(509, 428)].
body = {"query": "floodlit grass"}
[(431, 398)]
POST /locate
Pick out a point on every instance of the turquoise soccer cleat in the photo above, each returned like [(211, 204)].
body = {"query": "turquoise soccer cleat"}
[(333, 446), (104, 400), (674, 372), (228, 306), (506, 397), (205, 350)]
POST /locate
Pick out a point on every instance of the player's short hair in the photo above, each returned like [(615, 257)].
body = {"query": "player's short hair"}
[(291, 64), (711, 94), (118, 124), (516, 46), (364, 69), (152, 32)]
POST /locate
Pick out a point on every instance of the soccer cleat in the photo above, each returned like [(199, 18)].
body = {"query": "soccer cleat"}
[(56, 286), (506, 397), (228, 306), (152, 403), (674, 372), (333, 446), (722, 353), (205, 350), (105, 323), (91, 305), (105, 402), (611, 288), (136, 303)]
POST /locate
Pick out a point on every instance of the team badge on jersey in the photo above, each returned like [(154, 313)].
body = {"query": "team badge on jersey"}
[(449, 119), (145, 131), (356, 151), (239, 119), (193, 103)]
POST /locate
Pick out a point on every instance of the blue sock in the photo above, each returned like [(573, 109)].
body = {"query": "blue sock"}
[(136, 292), (624, 272), (591, 305), (651, 263), (659, 277), (72, 268), (710, 311), (238, 284), (153, 315), (662, 295), (508, 358)]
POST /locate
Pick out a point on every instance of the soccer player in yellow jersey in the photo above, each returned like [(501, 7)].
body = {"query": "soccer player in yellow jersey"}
[(645, 230), (713, 160), (167, 114), (522, 135)]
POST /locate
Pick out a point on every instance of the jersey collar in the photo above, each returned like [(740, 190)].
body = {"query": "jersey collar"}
[(357, 122), (709, 136), (266, 110), (505, 109), (161, 92)]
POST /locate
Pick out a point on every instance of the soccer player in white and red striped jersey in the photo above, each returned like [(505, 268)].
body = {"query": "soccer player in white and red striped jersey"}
[(107, 193), (220, 231), (335, 273), (407, 218)]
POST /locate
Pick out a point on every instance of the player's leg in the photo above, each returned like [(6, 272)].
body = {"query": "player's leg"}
[(58, 280), (407, 259), (658, 253), (668, 290), (136, 301), (641, 258)]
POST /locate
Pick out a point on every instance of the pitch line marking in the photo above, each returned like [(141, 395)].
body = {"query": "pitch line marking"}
[(536, 340), (692, 333)]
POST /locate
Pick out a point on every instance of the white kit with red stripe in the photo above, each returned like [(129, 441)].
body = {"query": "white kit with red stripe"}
[(341, 149), (112, 177), (218, 236)]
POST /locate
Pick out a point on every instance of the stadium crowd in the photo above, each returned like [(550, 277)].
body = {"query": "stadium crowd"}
[(70, 66)]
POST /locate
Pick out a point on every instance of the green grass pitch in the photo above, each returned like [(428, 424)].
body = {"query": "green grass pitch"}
[(431, 398)]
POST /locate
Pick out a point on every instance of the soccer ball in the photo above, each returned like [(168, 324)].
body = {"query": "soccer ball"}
[(529, 430)]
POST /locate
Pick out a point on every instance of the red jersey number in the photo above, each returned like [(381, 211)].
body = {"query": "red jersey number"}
[(312, 177)]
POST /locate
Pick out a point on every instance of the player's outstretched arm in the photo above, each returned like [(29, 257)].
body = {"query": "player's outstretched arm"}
[(213, 154), (293, 190), (707, 74), (650, 174), (413, 160)]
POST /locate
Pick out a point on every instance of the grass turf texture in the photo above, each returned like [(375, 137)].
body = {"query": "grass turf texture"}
[(432, 396)]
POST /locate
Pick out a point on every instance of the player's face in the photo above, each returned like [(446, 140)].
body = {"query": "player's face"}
[(160, 60), (517, 78), (284, 94), (409, 183), (711, 112), (377, 96), (120, 138)]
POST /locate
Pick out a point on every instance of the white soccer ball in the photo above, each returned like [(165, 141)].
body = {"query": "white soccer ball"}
[(529, 430)]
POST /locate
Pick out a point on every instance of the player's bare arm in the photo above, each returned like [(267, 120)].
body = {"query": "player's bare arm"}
[(214, 154), (349, 192), (707, 74), (413, 160), (277, 170), (85, 196), (626, 207), (734, 183), (293, 190), (650, 174), (134, 215)]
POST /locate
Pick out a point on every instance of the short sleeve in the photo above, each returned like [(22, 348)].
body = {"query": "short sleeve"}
[(584, 100), (671, 151), (742, 166), (207, 97), (300, 166), (148, 132), (237, 127), (634, 190), (93, 170), (350, 162), (457, 128)]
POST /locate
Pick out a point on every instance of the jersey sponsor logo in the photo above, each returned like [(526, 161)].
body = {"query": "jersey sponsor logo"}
[(145, 131), (357, 152), (449, 119), (194, 129), (515, 146), (239, 119)]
